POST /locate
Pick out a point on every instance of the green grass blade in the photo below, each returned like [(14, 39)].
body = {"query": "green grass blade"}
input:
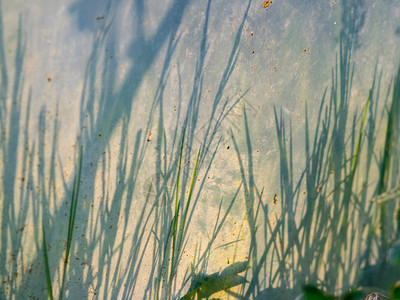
[(74, 202), (183, 229), (47, 268), (176, 215), (350, 182), (357, 150)]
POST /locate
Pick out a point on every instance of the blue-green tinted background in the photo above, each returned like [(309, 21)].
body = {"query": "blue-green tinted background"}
[(124, 80)]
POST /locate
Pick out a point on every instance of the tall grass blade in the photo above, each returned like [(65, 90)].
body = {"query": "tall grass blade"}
[(176, 214), (72, 213), (47, 268), (183, 228), (179, 233), (353, 169), (387, 156)]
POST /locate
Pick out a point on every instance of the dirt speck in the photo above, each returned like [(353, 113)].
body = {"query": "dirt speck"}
[(267, 3)]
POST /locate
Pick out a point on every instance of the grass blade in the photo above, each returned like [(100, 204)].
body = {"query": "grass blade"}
[(183, 229), (176, 215), (74, 202), (47, 268)]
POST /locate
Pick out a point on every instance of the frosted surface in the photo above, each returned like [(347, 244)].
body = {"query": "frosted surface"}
[(125, 80)]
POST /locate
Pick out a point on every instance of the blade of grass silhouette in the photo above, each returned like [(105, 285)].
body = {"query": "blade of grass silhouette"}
[(261, 262), (385, 167), (230, 243), (72, 213), (289, 232), (46, 265), (176, 214), (164, 264), (249, 191)]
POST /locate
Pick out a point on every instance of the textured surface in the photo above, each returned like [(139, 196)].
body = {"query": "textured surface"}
[(122, 78)]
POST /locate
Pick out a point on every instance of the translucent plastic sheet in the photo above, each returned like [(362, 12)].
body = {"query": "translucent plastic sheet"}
[(194, 149)]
